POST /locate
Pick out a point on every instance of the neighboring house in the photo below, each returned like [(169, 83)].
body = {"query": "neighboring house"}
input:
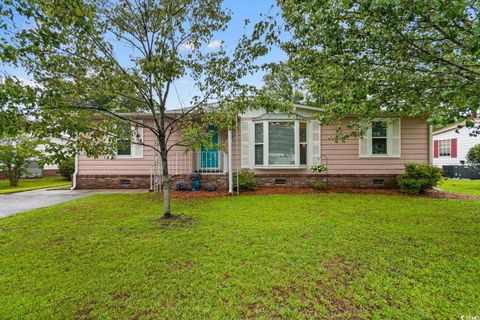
[(34, 168), (451, 145), (279, 147), (51, 169)]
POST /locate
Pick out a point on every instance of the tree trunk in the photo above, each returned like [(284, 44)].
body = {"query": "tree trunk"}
[(13, 182), (166, 188), (474, 113), (12, 177), (165, 177)]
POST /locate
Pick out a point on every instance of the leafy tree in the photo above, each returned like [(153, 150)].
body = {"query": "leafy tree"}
[(66, 168), (368, 57), (96, 60), (15, 154), (284, 85), (473, 156)]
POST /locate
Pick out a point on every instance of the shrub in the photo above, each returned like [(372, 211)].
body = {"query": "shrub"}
[(181, 186), (318, 185), (209, 186), (67, 168), (15, 155), (473, 156), (246, 181), (418, 178)]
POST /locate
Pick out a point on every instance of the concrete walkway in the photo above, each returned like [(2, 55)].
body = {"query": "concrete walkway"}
[(14, 203)]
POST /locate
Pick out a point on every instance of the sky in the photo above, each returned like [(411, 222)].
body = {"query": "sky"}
[(240, 10)]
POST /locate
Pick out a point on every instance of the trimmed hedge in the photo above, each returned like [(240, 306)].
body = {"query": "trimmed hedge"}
[(418, 178)]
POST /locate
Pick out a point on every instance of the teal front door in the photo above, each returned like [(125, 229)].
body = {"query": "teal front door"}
[(210, 156)]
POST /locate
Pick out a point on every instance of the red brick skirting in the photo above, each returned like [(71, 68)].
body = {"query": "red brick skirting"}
[(97, 181), (221, 180), (51, 173)]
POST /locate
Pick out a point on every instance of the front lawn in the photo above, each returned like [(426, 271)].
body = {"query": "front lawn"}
[(31, 184), (470, 187), (281, 256)]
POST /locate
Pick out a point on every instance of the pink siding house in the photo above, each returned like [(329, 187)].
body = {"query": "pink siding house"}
[(279, 147)]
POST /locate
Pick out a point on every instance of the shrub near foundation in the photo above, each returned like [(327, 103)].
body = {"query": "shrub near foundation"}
[(318, 185), (246, 181), (418, 178), (181, 186), (209, 186)]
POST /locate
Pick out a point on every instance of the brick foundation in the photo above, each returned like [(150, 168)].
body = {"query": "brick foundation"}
[(221, 180), (113, 182), (333, 180)]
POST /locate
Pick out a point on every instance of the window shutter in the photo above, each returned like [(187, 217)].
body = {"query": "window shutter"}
[(247, 130), (316, 143), (137, 150), (453, 145), (364, 142), (394, 137), (435, 148)]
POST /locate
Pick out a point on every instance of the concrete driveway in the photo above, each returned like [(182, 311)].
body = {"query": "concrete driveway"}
[(14, 203)]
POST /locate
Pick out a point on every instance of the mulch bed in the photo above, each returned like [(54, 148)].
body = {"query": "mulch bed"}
[(434, 193)]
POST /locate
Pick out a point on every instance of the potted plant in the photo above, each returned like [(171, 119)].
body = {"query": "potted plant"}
[(195, 177), (319, 168)]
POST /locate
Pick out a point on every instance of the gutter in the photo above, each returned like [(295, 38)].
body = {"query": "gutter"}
[(430, 145), (230, 172), (74, 177)]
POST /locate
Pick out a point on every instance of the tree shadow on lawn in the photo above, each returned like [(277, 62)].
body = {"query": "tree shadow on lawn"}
[(175, 221)]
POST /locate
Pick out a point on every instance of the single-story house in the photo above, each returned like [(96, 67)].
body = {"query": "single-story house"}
[(451, 145), (279, 147)]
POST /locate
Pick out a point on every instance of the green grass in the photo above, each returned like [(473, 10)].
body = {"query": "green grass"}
[(31, 184), (283, 256), (469, 187)]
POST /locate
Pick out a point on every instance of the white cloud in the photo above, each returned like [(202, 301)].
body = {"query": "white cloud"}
[(28, 82), (187, 47), (183, 81), (24, 81), (215, 44)]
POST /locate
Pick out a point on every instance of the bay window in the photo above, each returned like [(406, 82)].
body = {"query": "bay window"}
[(303, 143), (258, 143), (280, 143)]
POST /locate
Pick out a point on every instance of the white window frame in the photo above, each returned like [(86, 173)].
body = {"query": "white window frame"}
[(386, 137), (133, 146), (368, 136), (448, 147), (266, 143)]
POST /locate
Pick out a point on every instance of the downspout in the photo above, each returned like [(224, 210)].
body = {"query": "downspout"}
[(230, 171), (430, 145), (74, 177)]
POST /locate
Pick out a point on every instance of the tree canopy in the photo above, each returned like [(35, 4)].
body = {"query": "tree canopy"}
[(417, 58), (96, 60)]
